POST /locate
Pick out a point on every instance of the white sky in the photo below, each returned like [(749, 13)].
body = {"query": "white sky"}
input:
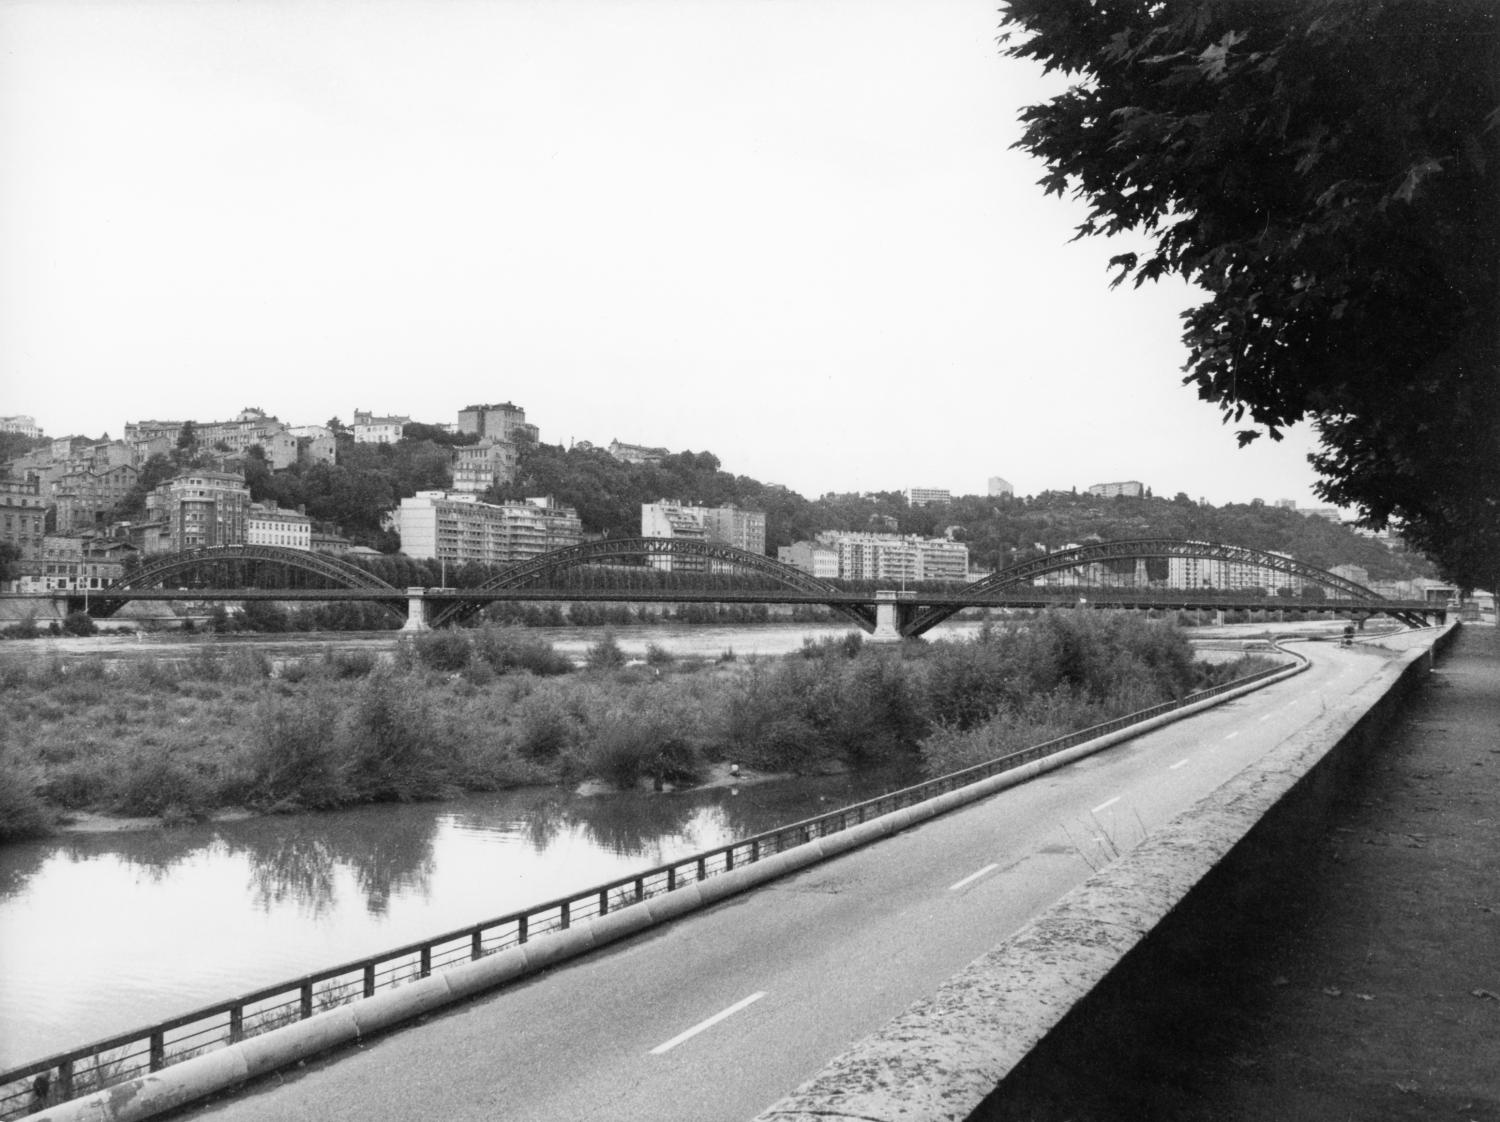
[(788, 231)]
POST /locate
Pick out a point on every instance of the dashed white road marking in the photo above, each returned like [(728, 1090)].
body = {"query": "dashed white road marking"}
[(708, 1024), (1178, 764), (1267, 717), (972, 877), (1232, 735), (1105, 805)]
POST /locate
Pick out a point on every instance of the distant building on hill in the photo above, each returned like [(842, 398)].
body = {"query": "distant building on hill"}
[(1000, 487), (370, 429), (883, 557), (727, 524), (21, 425), (924, 496), (1130, 488), (636, 453), (505, 421), (269, 524), (23, 512), (819, 560), (202, 508)]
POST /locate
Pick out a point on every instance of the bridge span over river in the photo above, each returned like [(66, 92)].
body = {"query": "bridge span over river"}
[(1155, 573)]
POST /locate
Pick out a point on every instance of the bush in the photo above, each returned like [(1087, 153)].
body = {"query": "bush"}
[(445, 650), (605, 654), (510, 648), (657, 655), (295, 756), (22, 812), (79, 624), (389, 742)]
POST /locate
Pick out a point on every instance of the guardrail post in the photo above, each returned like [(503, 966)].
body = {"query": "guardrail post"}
[(755, 850), (640, 889), (424, 962), (604, 901), (307, 996), (158, 1050), (703, 868), (565, 910), (369, 979), (65, 1079), (237, 1024), (671, 878), (729, 859), (521, 929), (476, 945)]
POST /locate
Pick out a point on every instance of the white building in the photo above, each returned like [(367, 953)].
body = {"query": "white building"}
[(893, 557), (455, 527), (269, 524), (1000, 487), (821, 561), (1131, 488), (480, 466), (922, 496), (727, 524), (25, 426), (370, 429)]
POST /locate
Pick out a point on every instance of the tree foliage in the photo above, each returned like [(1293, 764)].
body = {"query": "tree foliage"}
[(1327, 171)]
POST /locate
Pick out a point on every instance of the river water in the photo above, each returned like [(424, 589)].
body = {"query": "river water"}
[(103, 933)]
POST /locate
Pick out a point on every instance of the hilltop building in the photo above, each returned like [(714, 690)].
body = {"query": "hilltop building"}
[(370, 429), (1000, 487), (636, 453), (819, 560), (454, 527), (251, 427), (880, 557), (21, 425), (727, 524), (23, 515), (498, 422), (269, 524), (1130, 488), (923, 496), (481, 466)]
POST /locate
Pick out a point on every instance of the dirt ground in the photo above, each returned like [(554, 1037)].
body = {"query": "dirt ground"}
[(1364, 986)]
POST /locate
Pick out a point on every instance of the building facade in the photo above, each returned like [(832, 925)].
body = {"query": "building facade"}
[(505, 421), (727, 525), (23, 516), (201, 509), (478, 467), (636, 453), (888, 558), (370, 429), (998, 487), (454, 527), (923, 496), (22, 426), (819, 560), (85, 496), (269, 524), (76, 562), (1130, 488)]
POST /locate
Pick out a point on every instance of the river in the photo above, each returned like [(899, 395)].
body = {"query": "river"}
[(102, 933)]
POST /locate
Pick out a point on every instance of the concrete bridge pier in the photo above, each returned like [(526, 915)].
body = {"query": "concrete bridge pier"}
[(416, 610), (892, 612)]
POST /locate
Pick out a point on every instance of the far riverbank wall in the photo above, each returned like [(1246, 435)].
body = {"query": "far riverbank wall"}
[(1088, 959)]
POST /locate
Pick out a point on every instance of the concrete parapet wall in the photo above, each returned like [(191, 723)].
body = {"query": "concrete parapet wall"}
[(220, 1070), (946, 1056)]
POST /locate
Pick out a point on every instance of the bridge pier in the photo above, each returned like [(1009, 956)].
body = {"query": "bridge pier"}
[(892, 612), (416, 610)]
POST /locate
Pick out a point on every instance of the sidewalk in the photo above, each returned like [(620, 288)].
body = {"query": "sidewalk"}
[(1365, 986)]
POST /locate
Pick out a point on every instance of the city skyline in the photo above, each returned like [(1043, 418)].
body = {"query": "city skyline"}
[(792, 235)]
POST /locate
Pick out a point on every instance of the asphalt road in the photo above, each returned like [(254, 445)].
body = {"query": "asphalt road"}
[(722, 1013)]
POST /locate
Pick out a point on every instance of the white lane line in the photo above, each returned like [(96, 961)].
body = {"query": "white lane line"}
[(1267, 717), (1106, 805), (1231, 736), (972, 877), (1178, 764), (708, 1024)]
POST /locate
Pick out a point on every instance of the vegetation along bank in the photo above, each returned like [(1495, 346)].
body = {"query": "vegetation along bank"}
[(496, 707)]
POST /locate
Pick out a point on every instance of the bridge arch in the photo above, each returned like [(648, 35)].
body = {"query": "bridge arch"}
[(1148, 549), (551, 570)]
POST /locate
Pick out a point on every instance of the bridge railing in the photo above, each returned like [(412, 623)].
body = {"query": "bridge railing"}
[(115, 1059)]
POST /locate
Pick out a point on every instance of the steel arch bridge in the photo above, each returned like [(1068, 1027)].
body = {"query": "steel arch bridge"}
[(243, 567), (1102, 565), (659, 569)]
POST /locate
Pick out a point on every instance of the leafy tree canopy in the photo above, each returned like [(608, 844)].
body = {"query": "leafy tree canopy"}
[(1327, 171)]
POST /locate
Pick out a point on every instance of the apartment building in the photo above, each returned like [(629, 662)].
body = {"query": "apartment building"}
[(505, 421), (636, 453), (23, 516), (201, 508), (74, 562), (21, 425), (925, 496), (880, 557), (86, 494), (269, 524), (456, 527), (999, 487), (727, 524), (251, 427)]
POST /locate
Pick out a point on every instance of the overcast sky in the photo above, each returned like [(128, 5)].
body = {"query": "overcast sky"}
[(791, 232)]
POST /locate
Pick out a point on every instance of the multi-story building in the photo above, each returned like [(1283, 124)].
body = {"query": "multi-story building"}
[(23, 426), (1000, 487), (76, 562), (23, 515), (370, 429), (316, 444), (269, 524), (456, 528), (250, 428), (86, 494), (820, 560), (636, 453), (727, 524), (884, 557), (498, 422), (923, 496), (480, 466), (1130, 488), (202, 508)]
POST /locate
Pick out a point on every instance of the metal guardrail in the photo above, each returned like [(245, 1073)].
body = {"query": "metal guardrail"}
[(115, 1059)]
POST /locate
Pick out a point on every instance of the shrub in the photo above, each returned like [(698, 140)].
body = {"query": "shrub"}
[(545, 727), (444, 650), (79, 624), (388, 740), (510, 648), (657, 655), (605, 654), (22, 813), (294, 755)]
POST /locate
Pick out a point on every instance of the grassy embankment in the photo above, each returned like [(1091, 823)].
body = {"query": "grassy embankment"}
[(493, 708)]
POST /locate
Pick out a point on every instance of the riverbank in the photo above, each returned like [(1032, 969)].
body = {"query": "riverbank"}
[(498, 708)]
